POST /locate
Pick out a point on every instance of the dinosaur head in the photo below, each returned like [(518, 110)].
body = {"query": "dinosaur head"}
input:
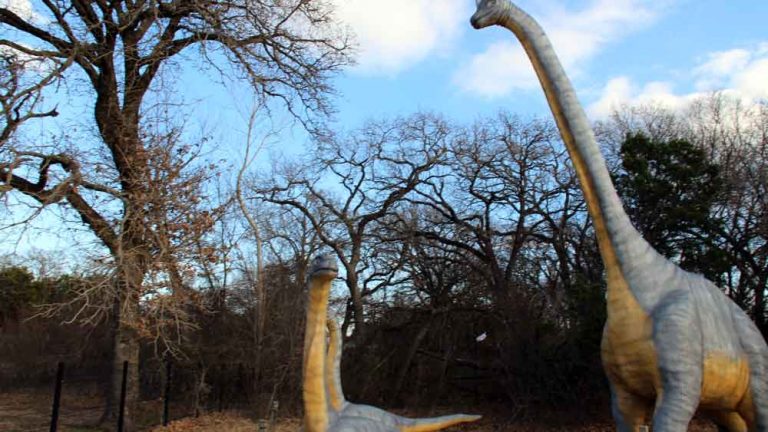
[(489, 12), (323, 268)]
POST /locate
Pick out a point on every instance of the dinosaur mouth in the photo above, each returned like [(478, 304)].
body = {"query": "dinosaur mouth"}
[(325, 271), (475, 21)]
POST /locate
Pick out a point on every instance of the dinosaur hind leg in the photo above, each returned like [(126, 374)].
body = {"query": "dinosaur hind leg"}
[(729, 421), (754, 407)]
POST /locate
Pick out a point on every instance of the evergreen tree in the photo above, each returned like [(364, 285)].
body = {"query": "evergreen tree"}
[(669, 189)]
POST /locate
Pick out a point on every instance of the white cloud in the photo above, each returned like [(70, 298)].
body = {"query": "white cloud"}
[(719, 66), (577, 37), (395, 34), (616, 93), (740, 73), (500, 69), (753, 80), (22, 8)]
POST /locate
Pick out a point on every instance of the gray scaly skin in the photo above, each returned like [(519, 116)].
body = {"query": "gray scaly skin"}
[(672, 340), (326, 409)]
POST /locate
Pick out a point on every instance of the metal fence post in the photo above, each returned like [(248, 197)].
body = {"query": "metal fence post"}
[(122, 397), (222, 380), (273, 414), (167, 395), (57, 397)]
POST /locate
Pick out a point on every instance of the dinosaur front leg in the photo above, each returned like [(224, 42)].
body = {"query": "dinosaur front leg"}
[(677, 339), (629, 411)]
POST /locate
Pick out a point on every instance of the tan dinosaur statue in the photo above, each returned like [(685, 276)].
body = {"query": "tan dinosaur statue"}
[(673, 342), (325, 408)]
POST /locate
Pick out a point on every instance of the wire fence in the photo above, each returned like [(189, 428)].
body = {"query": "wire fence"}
[(183, 392)]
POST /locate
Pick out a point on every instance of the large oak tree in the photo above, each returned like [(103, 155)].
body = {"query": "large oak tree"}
[(287, 50)]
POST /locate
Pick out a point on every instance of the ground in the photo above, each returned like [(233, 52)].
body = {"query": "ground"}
[(30, 409)]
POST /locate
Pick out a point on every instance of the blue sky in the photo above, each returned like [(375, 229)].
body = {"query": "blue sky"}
[(423, 55), (615, 51)]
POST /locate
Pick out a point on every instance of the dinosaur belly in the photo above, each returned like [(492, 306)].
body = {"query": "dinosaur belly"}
[(725, 381)]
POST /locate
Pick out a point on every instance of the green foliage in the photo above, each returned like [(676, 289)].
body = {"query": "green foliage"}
[(585, 306), (669, 189), (18, 291)]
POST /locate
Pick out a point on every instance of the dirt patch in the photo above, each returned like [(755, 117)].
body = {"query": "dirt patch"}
[(30, 410)]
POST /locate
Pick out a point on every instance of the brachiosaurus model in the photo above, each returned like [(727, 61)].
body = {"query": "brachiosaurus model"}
[(672, 340), (325, 409)]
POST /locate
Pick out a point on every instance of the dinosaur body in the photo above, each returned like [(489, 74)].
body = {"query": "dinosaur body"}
[(326, 409), (672, 342)]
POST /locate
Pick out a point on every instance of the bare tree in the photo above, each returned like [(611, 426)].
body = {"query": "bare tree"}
[(350, 184), (22, 80), (287, 51), (504, 191), (735, 136)]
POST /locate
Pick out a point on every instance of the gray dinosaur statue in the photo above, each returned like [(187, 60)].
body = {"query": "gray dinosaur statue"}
[(672, 342), (325, 408)]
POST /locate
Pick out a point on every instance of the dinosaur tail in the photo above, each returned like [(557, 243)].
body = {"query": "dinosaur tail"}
[(435, 423)]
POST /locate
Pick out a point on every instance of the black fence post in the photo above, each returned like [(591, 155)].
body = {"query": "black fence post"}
[(57, 397), (222, 380), (122, 397), (242, 385), (167, 396)]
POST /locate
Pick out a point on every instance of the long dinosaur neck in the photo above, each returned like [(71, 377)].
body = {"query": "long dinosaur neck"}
[(620, 243), (314, 392)]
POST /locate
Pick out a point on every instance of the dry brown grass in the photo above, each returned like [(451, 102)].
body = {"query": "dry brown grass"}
[(233, 422), (225, 422), (30, 410)]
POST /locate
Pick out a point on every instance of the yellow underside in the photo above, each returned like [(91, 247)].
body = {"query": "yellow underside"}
[(725, 382), (628, 352)]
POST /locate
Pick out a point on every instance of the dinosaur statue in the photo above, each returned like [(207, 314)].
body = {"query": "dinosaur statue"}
[(672, 340), (326, 409)]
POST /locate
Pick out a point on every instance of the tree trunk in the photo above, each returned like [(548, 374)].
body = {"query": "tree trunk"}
[(415, 344), (357, 305), (128, 282)]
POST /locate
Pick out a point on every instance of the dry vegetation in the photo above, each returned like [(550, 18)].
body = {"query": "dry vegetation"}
[(231, 422)]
